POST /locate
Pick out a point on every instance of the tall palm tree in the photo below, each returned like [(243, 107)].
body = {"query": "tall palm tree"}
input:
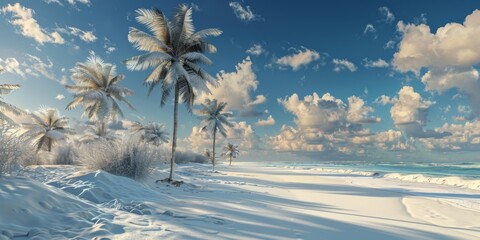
[(5, 107), (174, 51), (230, 151), (213, 120), (47, 129), (97, 89), (152, 132)]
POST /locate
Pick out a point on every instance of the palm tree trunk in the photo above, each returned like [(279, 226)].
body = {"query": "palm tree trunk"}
[(102, 130), (174, 139), (213, 154), (49, 145), (230, 161)]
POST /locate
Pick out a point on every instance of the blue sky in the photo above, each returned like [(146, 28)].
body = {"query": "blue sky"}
[(286, 52)]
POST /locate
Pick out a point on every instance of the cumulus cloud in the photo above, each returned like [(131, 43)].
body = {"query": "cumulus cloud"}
[(244, 13), (464, 137), (301, 57), (28, 26), (387, 15), (235, 88), (343, 64), (325, 124), (410, 113), (256, 49), (60, 97), (449, 55), (270, 121), (379, 63), (11, 65)]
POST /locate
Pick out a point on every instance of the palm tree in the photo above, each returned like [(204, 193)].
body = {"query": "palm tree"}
[(208, 154), (47, 129), (5, 107), (213, 120), (174, 52), (95, 132), (97, 89), (152, 132), (230, 151)]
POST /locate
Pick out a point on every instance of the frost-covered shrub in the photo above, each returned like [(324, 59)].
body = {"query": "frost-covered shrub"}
[(64, 155), (134, 160), (9, 151), (14, 150)]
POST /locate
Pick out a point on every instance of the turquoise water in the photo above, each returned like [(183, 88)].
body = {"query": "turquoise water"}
[(462, 170)]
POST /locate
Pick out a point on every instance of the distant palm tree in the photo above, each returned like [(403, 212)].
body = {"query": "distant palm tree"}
[(152, 132), (47, 129), (97, 89), (95, 132), (230, 151), (174, 52), (208, 154), (213, 120), (5, 107)]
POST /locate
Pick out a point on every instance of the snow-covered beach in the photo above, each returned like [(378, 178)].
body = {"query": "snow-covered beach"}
[(244, 201)]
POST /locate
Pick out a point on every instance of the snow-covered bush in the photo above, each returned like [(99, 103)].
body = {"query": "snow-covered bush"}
[(14, 150), (129, 159), (65, 155)]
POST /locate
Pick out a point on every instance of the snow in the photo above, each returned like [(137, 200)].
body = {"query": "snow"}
[(245, 201)]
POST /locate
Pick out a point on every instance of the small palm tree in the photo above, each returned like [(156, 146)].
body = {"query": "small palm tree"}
[(213, 120), (5, 107), (174, 52), (152, 132), (231, 151), (208, 154), (47, 129), (97, 89), (95, 132)]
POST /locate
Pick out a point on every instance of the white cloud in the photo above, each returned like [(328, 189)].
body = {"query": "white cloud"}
[(409, 113), (298, 59), (36, 67), (86, 36), (379, 63), (11, 65), (389, 45), (235, 88), (270, 121), (370, 30), (327, 113), (109, 46), (22, 17), (256, 50), (244, 13), (358, 112), (386, 14), (464, 137), (449, 54), (343, 64), (60, 97)]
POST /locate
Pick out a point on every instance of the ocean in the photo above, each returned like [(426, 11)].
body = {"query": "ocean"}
[(465, 175)]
